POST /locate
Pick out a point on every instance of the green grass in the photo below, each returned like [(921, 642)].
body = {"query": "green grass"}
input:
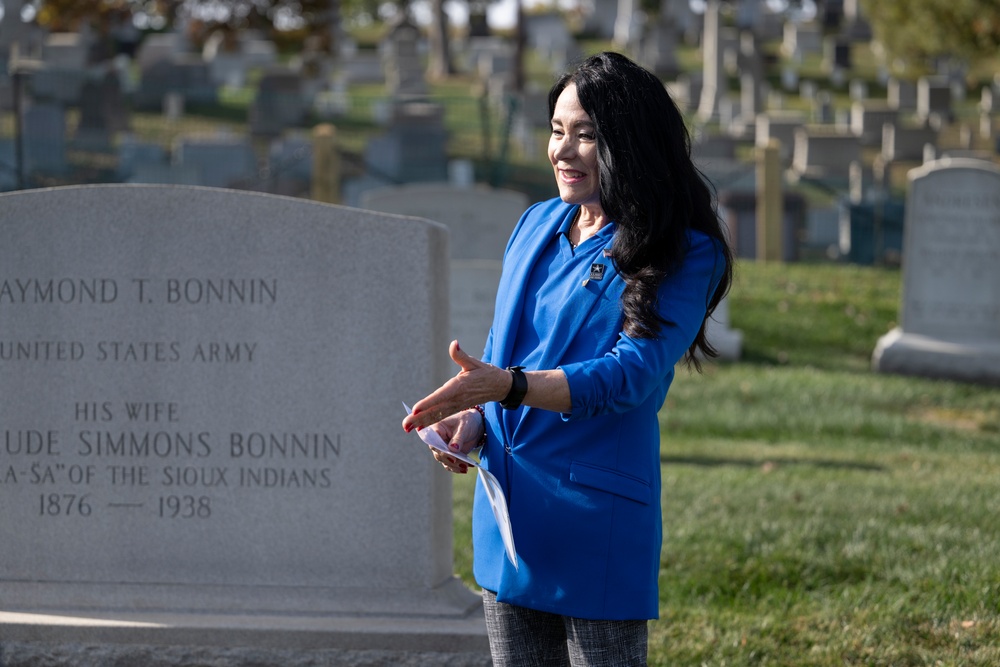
[(816, 512)]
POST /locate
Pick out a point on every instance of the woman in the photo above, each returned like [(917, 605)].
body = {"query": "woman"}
[(603, 290)]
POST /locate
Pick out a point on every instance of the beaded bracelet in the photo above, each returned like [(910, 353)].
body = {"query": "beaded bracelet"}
[(482, 413)]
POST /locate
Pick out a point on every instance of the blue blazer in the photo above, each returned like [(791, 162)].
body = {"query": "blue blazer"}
[(583, 488)]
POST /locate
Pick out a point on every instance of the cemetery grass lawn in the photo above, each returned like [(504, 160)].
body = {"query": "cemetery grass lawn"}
[(816, 513)]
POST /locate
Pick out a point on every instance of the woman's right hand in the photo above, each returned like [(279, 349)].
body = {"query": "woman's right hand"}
[(477, 383)]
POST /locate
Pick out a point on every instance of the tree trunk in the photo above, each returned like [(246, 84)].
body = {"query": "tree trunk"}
[(440, 64)]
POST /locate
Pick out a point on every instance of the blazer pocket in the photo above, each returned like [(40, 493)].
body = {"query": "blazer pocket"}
[(610, 481)]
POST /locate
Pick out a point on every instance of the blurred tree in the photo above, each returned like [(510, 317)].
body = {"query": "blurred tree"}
[(918, 32), (440, 64), (309, 17), (320, 19), (67, 15)]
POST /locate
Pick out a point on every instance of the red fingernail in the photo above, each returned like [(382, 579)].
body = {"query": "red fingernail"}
[(408, 428)]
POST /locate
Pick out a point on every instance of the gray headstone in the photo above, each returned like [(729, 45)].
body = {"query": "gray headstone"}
[(403, 64), (738, 208), (58, 83), (193, 422), (836, 54), (258, 50), (824, 152), (713, 78), (950, 313), (822, 228), (480, 221), (686, 90), (8, 172), (906, 143), (868, 119), (226, 64), (713, 146), (529, 116), (727, 342), (800, 40), (858, 90), (230, 57), (933, 97), (750, 15), (678, 13), (133, 152), (473, 294), (164, 174), (480, 218), (489, 55), (780, 125), (495, 64), (289, 164), (223, 160), (729, 114), (413, 149), (753, 86), (548, 34), (362, 67), (856, 27), (103, 112), (280, 102), (185, 75), (901, 94), (44, 139), (599, 17), (228, 69), (66, 49), (823, 110), (157, 47), (987, 98), (659, 48), (626, 24), (11, 25)]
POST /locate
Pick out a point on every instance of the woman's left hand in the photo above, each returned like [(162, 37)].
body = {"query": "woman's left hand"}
[(475, 384), (462, 432)]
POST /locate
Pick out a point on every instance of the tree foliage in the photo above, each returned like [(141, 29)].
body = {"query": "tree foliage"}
[(67, 15), (918, 31), (234, 14)]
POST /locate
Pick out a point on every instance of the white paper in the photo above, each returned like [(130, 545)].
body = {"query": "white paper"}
[(490, 484)]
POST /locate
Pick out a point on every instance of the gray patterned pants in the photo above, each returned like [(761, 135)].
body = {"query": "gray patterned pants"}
[(522, 637)]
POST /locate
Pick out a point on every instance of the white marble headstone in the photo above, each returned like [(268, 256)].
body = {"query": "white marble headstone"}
[(950, 315), (480, 220), (200, 405)]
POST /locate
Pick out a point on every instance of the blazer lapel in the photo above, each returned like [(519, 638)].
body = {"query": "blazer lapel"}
[(520, 260), (576, 312)]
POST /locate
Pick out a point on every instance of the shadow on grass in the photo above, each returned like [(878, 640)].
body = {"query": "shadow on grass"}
[(714, 462)]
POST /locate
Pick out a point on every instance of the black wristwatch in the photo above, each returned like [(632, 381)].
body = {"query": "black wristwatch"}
[(518, 388)]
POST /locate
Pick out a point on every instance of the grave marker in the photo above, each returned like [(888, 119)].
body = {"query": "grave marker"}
[(195, 438), (950, 313), (480, 221)]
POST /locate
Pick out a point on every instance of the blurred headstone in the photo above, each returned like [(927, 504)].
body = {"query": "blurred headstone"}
[(949, 324)]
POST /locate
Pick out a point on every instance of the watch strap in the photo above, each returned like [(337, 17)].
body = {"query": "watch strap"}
[(518, 388)]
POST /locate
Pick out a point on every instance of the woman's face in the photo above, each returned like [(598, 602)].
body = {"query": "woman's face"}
[(573, 151)]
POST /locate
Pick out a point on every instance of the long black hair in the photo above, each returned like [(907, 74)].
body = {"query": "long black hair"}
[(650, 187)]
